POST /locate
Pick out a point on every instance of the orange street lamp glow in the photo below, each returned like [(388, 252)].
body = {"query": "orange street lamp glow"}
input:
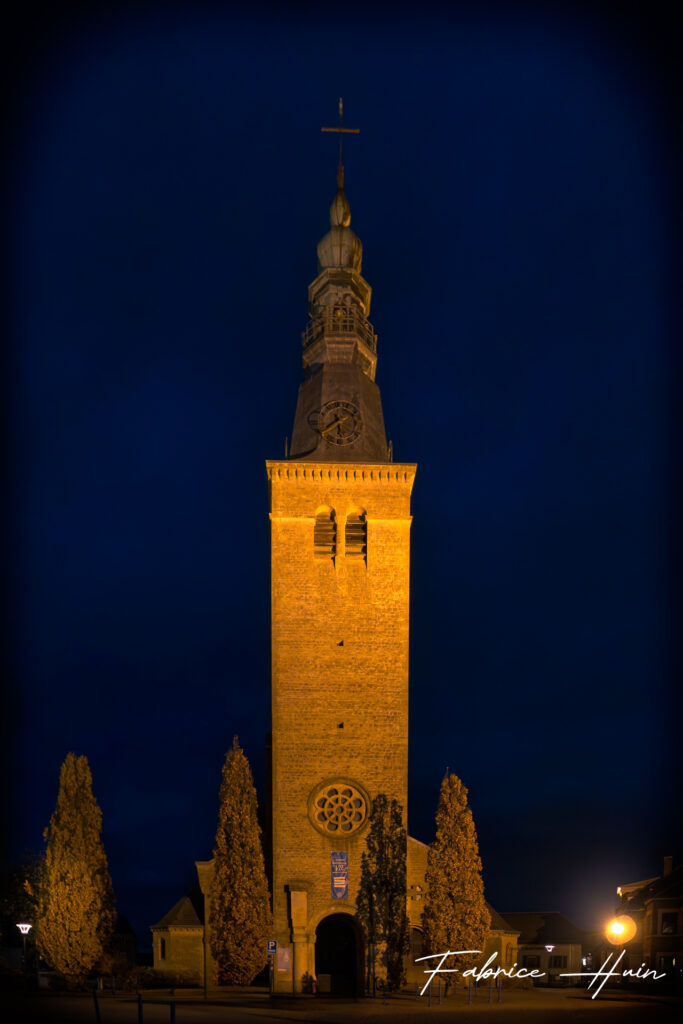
[(621, 929)]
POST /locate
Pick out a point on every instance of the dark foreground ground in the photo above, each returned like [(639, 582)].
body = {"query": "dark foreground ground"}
[(538, 1006)]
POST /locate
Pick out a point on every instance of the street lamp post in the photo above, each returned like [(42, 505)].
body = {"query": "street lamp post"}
[(550, 961), (24, 928)]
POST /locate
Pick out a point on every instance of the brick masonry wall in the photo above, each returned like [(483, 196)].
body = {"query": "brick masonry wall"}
[(318, 684), (184, 951)]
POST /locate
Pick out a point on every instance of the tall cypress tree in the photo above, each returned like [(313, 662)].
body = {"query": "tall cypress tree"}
[(381, 902), (240, 918), (75, 905), (398, 931), (455, 914)]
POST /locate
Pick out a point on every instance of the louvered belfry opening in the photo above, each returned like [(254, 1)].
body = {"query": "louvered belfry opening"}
[(325, 534), (356, 535)]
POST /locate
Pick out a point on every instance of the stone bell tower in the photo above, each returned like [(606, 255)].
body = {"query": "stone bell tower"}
[(340, 556)]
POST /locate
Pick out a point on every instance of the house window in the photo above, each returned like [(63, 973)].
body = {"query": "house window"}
[(508, 953), (325, 534), (356, 535), (669, 922), (558, 961), (531, 961), (162, 949)]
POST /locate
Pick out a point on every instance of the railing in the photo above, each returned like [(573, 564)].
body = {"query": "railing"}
[(340, 322)]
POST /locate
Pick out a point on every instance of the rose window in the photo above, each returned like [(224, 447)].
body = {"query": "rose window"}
[(339, 808)]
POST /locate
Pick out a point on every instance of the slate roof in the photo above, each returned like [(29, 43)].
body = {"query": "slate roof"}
[(545, 928), (183, 915), (630, 889), (499, 923), (667, 887)]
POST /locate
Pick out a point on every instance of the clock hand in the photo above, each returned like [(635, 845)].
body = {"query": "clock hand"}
[(336, 423)]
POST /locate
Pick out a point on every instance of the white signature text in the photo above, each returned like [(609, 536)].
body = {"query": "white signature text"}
[(487, 971)]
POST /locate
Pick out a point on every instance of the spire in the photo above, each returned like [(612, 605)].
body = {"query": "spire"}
[(341, 131), (340, 211), (339, 412)]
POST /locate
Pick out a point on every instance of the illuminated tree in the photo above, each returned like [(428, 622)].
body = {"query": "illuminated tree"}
[(240, 920), (75, 903), (381, 903), (455, 914)]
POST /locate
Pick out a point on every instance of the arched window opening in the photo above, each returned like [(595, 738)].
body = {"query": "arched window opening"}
[(356, 535), (325, 534)]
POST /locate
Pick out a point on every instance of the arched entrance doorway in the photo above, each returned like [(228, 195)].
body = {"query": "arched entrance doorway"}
[(337, 955)]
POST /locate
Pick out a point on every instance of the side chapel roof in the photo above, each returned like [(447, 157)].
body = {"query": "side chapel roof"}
[(183, 915), (498, 923)]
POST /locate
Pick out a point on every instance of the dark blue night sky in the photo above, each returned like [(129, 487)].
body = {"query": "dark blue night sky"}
[(512, 186)]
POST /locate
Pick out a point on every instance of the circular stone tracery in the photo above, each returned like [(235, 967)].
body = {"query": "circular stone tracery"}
[(338, 808)]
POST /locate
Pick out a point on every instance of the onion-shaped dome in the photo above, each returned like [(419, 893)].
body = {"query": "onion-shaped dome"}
[(340, 247), (340, 211)]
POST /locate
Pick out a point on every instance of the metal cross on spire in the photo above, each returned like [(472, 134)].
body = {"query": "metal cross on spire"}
[(341, 131)]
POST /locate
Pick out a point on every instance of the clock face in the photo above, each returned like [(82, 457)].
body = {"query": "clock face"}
[(338, 422)]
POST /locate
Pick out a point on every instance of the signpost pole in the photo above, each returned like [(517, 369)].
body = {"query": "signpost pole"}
[(271, 949)]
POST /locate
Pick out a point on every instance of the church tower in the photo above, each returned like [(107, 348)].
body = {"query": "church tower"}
[(340, 558)]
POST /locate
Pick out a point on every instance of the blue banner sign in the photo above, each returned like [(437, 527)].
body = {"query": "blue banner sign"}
[(340, 875)]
